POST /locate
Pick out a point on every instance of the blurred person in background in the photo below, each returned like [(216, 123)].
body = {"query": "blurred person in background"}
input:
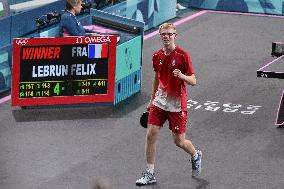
[(69, 24), (100, 183)]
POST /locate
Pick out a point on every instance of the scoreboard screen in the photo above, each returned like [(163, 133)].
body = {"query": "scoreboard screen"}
[(69, 70)]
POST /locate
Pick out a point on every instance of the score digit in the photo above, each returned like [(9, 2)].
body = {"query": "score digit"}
[(56, 89)]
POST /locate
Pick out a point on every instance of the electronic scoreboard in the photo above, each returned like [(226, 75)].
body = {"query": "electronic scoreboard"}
[(69, 70)]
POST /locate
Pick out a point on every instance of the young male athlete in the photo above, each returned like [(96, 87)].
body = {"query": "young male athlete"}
[(173, 70)]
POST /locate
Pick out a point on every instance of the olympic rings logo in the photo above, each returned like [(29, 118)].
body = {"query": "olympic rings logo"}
[(22, 41)]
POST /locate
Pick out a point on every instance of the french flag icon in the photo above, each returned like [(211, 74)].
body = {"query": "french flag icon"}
[(98, 50)]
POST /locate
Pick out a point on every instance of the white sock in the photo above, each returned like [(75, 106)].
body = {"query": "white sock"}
[(150, 167), (195, 156)]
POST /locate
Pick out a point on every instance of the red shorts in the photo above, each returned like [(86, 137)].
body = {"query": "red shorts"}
[(177, 120)]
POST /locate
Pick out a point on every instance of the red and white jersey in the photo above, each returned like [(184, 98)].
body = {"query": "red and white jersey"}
[(171, 94)]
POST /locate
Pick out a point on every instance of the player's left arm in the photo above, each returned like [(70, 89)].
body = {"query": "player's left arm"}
[(189, 79), (187, 73)]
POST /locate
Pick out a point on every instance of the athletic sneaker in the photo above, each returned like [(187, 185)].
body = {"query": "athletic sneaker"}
[(180, 7), (147, 178), (196, 164)]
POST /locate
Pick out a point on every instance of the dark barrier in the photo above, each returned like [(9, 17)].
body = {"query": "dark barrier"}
[(253, 6), (228, 5), (5, 68), (5, 32)]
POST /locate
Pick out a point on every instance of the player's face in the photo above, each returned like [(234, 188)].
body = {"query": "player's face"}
[(168, 36), (78, 8)]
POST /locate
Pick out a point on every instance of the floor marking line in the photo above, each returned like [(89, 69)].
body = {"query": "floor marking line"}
[(4, 99), (279, 110), (260, 69), (246, 14)]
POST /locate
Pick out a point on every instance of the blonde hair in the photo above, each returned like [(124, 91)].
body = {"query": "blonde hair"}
[(167, 25), (72, 3)]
